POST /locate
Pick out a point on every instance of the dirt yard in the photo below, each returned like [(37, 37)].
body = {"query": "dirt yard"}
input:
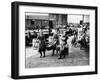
[(76, 57)]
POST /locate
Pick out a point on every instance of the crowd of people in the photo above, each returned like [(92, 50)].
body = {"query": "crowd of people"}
[(81, 38), (58, 42)]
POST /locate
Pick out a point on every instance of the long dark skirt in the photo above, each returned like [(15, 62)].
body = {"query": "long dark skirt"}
[(64, 52)]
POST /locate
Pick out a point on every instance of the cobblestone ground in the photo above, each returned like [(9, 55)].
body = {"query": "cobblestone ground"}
[(76, 57)]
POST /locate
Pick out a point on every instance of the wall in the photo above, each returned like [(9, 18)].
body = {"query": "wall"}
[(74, 18), (5, 41)]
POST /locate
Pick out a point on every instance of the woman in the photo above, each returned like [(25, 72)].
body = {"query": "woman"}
[(55, 40), (42, 44), (63, 47)]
